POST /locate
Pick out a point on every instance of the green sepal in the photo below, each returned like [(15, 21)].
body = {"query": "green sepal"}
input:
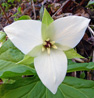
[(46, 21), (26, 60)]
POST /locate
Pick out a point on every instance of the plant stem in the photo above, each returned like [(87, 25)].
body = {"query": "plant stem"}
[(89, 28), (33, 9)]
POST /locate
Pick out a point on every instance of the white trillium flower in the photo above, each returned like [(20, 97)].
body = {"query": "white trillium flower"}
[(48, 48)]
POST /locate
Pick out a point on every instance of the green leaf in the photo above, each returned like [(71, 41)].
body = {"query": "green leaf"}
[(33, 88), (82, 75), (5, 5), (19, 9), (2, 36), (10, 1), (72, 66), (72, 54), (8, 44), (46, 21), (8, 81), (10, 53), (24, 17), (90, 3), (9, 56), (11, 69)]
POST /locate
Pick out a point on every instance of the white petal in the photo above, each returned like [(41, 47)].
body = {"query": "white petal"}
[(25, 34), (51, 69), (68, 31)]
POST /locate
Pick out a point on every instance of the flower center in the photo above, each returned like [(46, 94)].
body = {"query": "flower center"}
[(48, 44)]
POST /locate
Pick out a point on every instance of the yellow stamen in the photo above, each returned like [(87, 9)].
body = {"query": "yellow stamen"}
[(52, 42), (54, 46), (44, 43), (48, 39), (48, 50), (43, 49)]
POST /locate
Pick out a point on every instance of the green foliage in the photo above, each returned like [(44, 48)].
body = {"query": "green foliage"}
[(7, 4), (9, 56), (90, 5), (9, 69), (24, 17), (72, 54), (72, 66), (2, 36), (8, 81), (33, 88), (11, 1), (82, 75), (10, 53), (17, 14)]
